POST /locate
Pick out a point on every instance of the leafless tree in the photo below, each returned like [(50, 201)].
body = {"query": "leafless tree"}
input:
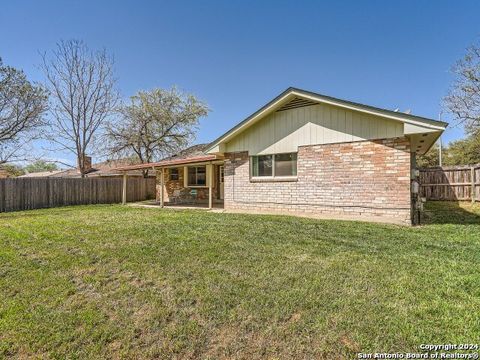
[(155, 124), (463, 100), (22, 106), (82, 87)]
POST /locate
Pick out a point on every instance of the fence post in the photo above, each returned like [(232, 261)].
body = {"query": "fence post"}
[(162, 181), (473, 183), (124, 188)]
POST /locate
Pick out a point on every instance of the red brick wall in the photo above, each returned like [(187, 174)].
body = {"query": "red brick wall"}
[(358, 179)]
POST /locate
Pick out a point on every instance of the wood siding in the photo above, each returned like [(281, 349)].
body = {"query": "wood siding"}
[(285, 131), (36, 193)]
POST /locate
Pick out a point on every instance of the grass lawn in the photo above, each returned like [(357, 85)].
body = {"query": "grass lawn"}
[(123, 282)]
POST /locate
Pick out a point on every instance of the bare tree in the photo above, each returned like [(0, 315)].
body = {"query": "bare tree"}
[(463, 100), (22, 106), (155, 124), (83, 94)]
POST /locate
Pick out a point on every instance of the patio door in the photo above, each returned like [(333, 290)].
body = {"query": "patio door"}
[(221, 181)]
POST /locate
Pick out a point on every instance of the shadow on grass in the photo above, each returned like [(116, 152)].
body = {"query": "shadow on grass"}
[(51, 211), (451, 212)]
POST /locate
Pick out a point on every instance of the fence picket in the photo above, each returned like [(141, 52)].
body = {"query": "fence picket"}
[(451, 183), (34, 193)]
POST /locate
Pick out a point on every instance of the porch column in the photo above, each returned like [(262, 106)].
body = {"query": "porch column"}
[(162, 181), (124, 189), (210, 185)]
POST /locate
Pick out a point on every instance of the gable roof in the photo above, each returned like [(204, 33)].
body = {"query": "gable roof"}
[(301, 97)]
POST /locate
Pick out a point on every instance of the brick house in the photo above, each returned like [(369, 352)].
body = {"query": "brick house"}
[(307, 153)]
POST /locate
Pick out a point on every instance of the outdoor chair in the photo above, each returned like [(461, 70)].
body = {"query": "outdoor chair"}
[(182, 196)]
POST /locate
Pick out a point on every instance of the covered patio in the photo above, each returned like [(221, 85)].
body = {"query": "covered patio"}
[(194, 182), (155, 204)]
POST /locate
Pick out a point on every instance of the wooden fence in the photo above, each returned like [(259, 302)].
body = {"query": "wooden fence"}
[(34, 193), (451, 183)]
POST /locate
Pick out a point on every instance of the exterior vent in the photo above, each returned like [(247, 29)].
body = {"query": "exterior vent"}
[(296, 103)]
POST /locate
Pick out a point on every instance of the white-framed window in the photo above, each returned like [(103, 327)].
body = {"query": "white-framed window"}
[(197, 176), (274, 166)]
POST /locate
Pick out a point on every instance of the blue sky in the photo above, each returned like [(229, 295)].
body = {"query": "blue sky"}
[(238, 55)]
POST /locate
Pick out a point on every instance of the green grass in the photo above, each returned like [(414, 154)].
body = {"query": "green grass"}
[(123, 282)]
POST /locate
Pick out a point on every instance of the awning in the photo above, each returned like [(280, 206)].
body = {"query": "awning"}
[(164, 163)]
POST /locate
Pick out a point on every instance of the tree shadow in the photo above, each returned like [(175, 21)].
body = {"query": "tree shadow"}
[(451, 212)]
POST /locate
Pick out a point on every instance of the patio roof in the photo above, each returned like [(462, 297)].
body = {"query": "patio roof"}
[(163, 163)]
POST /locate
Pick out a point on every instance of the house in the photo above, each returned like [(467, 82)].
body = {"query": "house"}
[(42, 174), (308, 153), (102, 169)]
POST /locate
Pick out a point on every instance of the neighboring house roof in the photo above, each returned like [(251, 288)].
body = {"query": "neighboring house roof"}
[(42, 174), (105, 168), (190, 152), (303, 97)]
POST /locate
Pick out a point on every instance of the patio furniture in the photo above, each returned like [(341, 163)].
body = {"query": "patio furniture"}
[(181, 196), (193, 194)]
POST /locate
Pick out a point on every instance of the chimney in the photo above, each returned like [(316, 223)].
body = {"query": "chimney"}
[(87, 164)]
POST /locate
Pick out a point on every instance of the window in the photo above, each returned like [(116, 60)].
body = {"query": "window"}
[(278, 165), (262, 165), (174, 174), (197, 176), (286, 164), (222, 174)]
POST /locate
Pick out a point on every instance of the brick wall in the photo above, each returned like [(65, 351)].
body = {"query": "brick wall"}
[(358, 179), (171, 185)]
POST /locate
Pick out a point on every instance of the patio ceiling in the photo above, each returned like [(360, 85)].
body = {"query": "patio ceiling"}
[(165, 163)]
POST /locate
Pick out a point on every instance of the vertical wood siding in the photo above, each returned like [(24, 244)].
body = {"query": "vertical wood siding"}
[(36, 193), (285, 131)]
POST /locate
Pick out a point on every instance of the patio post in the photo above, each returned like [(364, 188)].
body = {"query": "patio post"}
[(124, 189), (162, 180), (210, 184)]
